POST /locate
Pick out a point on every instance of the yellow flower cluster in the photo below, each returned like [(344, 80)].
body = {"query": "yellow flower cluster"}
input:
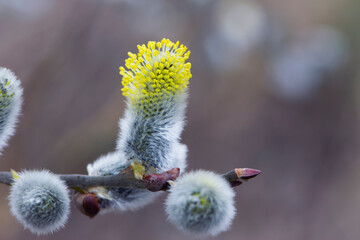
[(156, 72)]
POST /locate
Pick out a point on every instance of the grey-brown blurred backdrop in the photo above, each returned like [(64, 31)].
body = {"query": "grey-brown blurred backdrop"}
[(275, 87)]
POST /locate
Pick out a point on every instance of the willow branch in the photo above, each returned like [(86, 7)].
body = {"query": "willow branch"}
[(126, 179)]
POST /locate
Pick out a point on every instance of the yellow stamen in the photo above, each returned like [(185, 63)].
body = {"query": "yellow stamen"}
[(158, 71)]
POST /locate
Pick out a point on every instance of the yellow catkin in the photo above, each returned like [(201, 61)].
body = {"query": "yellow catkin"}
[(157, 71)]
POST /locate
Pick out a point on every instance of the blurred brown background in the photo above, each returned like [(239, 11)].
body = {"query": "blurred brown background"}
[(275, 87)]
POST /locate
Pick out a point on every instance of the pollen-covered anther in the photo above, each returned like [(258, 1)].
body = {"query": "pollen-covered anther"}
[(158, 71)]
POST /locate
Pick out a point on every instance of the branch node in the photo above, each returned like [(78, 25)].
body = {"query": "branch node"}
[(160, 182)]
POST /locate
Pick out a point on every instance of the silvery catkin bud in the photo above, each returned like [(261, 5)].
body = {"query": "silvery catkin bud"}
[(10, 104), (39, 200), (155, 86), (201, 203)]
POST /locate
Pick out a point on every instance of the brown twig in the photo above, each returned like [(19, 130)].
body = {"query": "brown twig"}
[(126, 179), (88, 203)]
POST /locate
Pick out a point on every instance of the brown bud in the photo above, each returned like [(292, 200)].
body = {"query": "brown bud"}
[(238, 176), (246, 173), (156, 182), (87, 203)]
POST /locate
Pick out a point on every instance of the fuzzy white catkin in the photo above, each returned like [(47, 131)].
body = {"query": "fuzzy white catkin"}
[(10, 104), (154, 140), (201, 203), (155, 86), (154, 118), (160, 150), (40, 202)]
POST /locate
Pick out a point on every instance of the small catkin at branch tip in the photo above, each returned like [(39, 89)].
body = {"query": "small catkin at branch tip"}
[(201, 203), (39, 200)]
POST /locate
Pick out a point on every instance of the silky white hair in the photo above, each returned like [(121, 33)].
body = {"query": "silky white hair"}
[(150, 136), (153, 137), (40, 202), (201, 203), (10, 104)]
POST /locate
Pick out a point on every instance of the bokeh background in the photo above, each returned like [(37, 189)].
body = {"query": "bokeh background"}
[(275, 87)]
